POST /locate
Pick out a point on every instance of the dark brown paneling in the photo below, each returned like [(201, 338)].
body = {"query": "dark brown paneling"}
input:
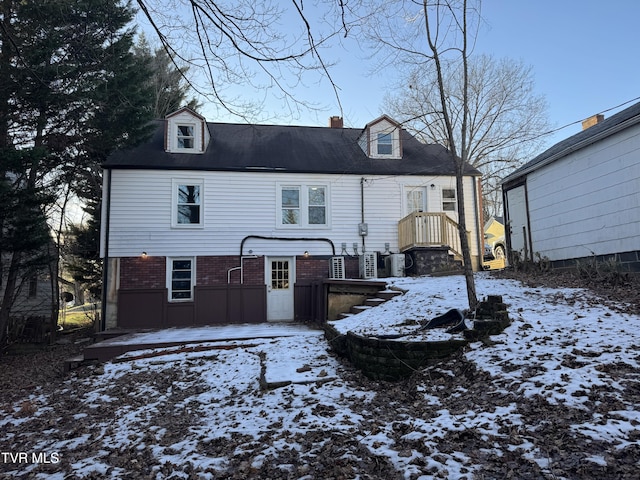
[(247, 304), (211, 305), (141, 308), (231, 304), (180, 314)]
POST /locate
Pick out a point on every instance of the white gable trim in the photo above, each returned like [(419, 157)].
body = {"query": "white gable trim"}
[(175, 138)]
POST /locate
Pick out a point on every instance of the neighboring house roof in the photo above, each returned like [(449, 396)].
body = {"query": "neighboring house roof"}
[(620, 121), (493, 220), (238, 147)]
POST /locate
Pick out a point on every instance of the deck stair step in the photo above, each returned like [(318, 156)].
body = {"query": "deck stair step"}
[(388, 294), (342, 316), (359, 308), (374, 302), (73, 363)]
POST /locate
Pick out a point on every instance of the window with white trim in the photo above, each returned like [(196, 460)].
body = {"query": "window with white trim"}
[(180, 279), (186, 137), (449, 200), (187, 205), (385, 144), (303, 205)]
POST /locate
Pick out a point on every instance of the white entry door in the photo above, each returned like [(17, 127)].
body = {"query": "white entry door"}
[(280, 278), (518, 223)]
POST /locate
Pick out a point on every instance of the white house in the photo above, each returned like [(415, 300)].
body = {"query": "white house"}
[(581, 198), (216, 222)]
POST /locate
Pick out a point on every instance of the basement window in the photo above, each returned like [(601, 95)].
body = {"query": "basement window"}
[(181, 279)]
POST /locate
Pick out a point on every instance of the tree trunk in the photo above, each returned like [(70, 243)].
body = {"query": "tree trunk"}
[(464, 241)]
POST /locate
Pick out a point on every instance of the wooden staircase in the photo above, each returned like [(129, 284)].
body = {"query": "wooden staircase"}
[(381, 297)]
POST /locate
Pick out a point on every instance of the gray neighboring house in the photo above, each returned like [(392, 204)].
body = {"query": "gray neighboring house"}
[(580, 199)]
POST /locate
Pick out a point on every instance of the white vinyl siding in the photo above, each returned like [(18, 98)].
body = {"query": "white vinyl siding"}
[(239, 205), (589, 202)]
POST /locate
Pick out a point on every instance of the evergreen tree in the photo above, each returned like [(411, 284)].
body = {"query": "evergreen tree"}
[(168, 84), (70, 90)]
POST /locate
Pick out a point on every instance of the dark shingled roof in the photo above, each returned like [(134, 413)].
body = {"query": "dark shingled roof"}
[(237, 147), (619, 121)]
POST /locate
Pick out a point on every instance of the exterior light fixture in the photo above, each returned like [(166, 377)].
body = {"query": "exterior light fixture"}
[(386, 247), (306, 253), (355, 248), (344, 249), (144, 255)]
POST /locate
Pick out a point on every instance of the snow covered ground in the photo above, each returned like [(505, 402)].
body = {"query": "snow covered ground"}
[(555, 396)]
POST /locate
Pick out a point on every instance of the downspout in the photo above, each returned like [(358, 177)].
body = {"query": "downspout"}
[(105, 262), (479, 234), (362, 180)]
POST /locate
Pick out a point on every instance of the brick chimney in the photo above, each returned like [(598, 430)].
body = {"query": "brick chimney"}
[(591, 121), (335, 122)]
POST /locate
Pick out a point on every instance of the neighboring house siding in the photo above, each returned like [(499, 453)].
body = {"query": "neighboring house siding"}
[(236, 205), (589, 202)]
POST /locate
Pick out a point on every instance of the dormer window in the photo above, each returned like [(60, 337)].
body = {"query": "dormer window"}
[(186, 132), (385, 144), (382, 139), (186, 136)]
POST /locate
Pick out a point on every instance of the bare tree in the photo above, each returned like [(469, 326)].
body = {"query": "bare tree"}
[(431, 38), (266, 45), (505, 123)]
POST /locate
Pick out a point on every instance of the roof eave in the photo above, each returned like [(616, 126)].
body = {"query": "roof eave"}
[(572, 148)]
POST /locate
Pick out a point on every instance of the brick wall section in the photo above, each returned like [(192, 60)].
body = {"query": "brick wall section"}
[(311, 268), (150, 272), (214, 270), (139, 272)]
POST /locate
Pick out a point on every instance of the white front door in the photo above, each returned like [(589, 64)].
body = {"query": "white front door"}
[(517, 217), (280, 278)]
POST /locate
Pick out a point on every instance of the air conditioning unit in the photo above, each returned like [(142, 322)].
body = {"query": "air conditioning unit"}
[(395, 264), (368, 265), (337, 268)]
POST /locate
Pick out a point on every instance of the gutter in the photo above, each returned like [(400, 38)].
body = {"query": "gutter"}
[(573, 148)]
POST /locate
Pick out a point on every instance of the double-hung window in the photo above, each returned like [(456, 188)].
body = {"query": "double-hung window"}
[(317, 208), (186, 137), (180, 278), (385, 144), (303, 206), (449, 200), (187, 203)]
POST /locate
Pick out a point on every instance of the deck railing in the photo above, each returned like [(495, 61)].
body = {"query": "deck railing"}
[(424, 229)]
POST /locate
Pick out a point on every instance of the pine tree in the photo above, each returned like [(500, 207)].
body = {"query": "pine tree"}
[(71, 91)]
